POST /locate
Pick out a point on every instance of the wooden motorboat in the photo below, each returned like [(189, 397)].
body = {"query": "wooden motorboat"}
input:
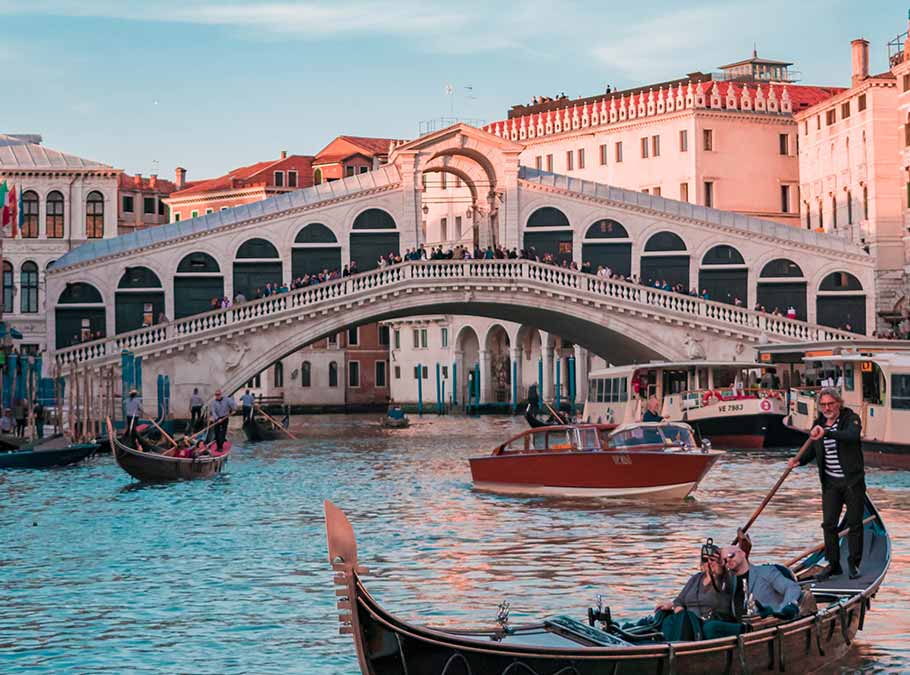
[(389, 645), (46, 453), (654, 460), (395, 422), (155, 466)]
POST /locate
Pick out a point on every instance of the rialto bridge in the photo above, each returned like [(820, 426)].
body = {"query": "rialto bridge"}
[(110, 288)]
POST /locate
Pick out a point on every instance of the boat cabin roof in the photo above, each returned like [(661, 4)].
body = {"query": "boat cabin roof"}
[(797, 352), (615, 371), (892, 360)]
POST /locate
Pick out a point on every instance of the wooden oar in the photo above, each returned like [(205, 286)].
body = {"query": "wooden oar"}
[(274, 422), (555, 414), (821, 547), (164, 433), (771, 493), (204, 429)]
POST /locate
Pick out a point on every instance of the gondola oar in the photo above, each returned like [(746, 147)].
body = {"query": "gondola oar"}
[(771, 493), (555, 414), (275, 422), (164, 433), (821, 547), (203, 430)]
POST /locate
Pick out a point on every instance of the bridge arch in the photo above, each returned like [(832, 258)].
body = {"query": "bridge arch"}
[(197, 281), (782, 284), (724, 275), (80, 314), (373, 233), (256, 263), (607, 242), (138, 300), (665, 257), (841, 302), (549, 232), (315, 248)]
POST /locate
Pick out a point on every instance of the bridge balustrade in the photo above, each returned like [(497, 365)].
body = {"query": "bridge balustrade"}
[(480, 270)]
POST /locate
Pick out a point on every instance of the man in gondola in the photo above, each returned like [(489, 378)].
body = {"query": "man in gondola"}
[(837, 449), (221, 409), (133, 411)]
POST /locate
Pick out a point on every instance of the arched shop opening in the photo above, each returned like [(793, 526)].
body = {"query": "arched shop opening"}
[(139, 299), (781, 285), (257, 264), (841, 302), (315, 249), (79, 315), (373, 234), (665, 259), (724, 275), (500, 364), (198, 281), (607, 244), (549, 233)]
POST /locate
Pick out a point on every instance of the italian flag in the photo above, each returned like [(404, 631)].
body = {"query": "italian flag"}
[(12, 207)]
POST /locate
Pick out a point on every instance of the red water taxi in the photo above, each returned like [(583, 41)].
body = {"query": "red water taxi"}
[(652, 460)]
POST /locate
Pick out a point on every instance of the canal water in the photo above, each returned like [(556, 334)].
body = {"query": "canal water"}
[(101, 575)]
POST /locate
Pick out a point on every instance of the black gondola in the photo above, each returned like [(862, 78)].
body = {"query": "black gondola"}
[(534, 421), (46, 453), (257, 430), (387, 645)]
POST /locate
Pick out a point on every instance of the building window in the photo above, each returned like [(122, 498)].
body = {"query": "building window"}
[(907, 134), (444, 337), (384, 336), (380, 374), (603, 154), (570, 157), (254, 383), (683, 192), (332, 341), (830, 117), (424, 342), (397, 339), (29, 215), (861, 102), (618, 152), (709, 193), (194, 213), (127, 204), (28, 287), (353, 336), (162, 207), (348, 171), (644, 148), (317, 177), (458, 227), (818, 122), (845, 109), (905, 82), (7, 286), (656, 191), (849, 208), (278, 374), (806, 128), (279, 179), (176, 216), (834, 212), (333, 374), (550, 163), (783, 142), (785, 199), (354, 374), (54, 221), (655, 146), (292, 179), (444, 229), (148, 206), (445, 372), (416, 336), (397, 372), (363, 169), (94, 215), (581, 158), (305, 374), (865, 202), (808, 217), (684, 140), (421, 373), (443, 181), (208, 211), (707, 136), (538, 162)]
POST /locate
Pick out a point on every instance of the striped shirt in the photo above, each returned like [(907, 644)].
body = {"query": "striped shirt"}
[(832, 462)]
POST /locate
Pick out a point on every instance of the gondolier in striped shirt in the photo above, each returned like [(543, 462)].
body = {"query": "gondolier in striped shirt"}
[(133, 411), (836, 448)]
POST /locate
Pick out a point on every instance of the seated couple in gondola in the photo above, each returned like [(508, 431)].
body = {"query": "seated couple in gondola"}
[(187, 450), (728, 590)]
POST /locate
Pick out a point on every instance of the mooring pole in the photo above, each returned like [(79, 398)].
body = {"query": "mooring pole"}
[(420, 390)]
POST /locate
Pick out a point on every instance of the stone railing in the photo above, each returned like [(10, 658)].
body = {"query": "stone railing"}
[(425, 274)]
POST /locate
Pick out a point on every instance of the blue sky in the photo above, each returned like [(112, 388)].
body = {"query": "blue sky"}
[(213, 85)]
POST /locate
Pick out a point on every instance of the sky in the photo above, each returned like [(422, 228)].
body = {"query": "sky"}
[(147, 86)]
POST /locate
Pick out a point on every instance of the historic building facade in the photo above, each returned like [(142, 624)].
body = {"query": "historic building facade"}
[(141, 202), (900, 67)]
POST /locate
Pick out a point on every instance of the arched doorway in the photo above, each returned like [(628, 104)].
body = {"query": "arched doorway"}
[(315, 249), (79, 315), (781, 285), (373, 234), (467, 358), (548, 235), (139, 299), (724, 275), (530, 365), (665, 259), (256, 265), (198, 281), (841, 302), (499, 365), (607, 244)]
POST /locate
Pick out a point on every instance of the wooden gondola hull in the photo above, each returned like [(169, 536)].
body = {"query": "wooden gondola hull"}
[(257, 432), (153, 467)]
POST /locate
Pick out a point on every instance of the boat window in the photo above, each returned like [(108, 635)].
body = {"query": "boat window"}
[(723, 378), (587, 439), (538, 440), (849, 383), (630, 438), (560, 440), (678, 435), (610, 390), (873, 383), (592, 390), (900, 392)]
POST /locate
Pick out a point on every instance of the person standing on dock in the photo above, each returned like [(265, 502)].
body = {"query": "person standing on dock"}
[(133, 410), (247, 401), (221, 409), (837, 449), (196, 404), (38, 412)]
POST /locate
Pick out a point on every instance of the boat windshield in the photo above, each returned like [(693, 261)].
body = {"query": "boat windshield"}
[(677, 435), (629, 438)]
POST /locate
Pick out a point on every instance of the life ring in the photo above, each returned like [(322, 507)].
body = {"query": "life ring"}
[(706, 397)]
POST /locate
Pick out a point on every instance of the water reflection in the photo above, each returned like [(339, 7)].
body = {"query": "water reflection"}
[(230, 575)]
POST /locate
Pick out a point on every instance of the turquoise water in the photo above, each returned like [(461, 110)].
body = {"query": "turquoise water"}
[(99, 574)]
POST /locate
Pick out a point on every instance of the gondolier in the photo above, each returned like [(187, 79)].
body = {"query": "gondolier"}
[(247, 401), (196, 404), (836, 449), (221, 409), (133, 410)]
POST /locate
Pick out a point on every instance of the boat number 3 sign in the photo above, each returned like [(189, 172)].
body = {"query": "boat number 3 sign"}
[(766, 405)]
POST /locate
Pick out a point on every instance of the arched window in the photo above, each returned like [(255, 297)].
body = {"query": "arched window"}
[(841, 302), (54, 220), (606, 229), (315, 233), (279, 374), (94, 216), (548, 217), (374, 219), (780, 268), (840, 281), (333, 374), (606, 245), (305, 374), (257, 248), (28, 284), (723, 255), (665, 241), (317, 177), (8, 286), (724, 275), (29, 214), (781, 285), (665, 261), (198, 263)]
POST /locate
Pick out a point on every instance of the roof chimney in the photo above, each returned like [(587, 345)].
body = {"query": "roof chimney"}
[(284, 154), (153, 181), (860, 60), (137, 180), (180, 177)]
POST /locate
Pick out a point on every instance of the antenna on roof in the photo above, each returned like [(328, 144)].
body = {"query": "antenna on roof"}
[(754, 50)]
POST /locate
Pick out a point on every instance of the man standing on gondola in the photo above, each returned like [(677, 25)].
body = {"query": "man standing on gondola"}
[(836, 448), (221, 409), (133, 410), (246, 402)]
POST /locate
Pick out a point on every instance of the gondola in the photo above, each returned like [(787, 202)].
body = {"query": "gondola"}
[(46, 453), (534, 421), (388, 645), (155, 466), (257, 430), (11, 442)]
